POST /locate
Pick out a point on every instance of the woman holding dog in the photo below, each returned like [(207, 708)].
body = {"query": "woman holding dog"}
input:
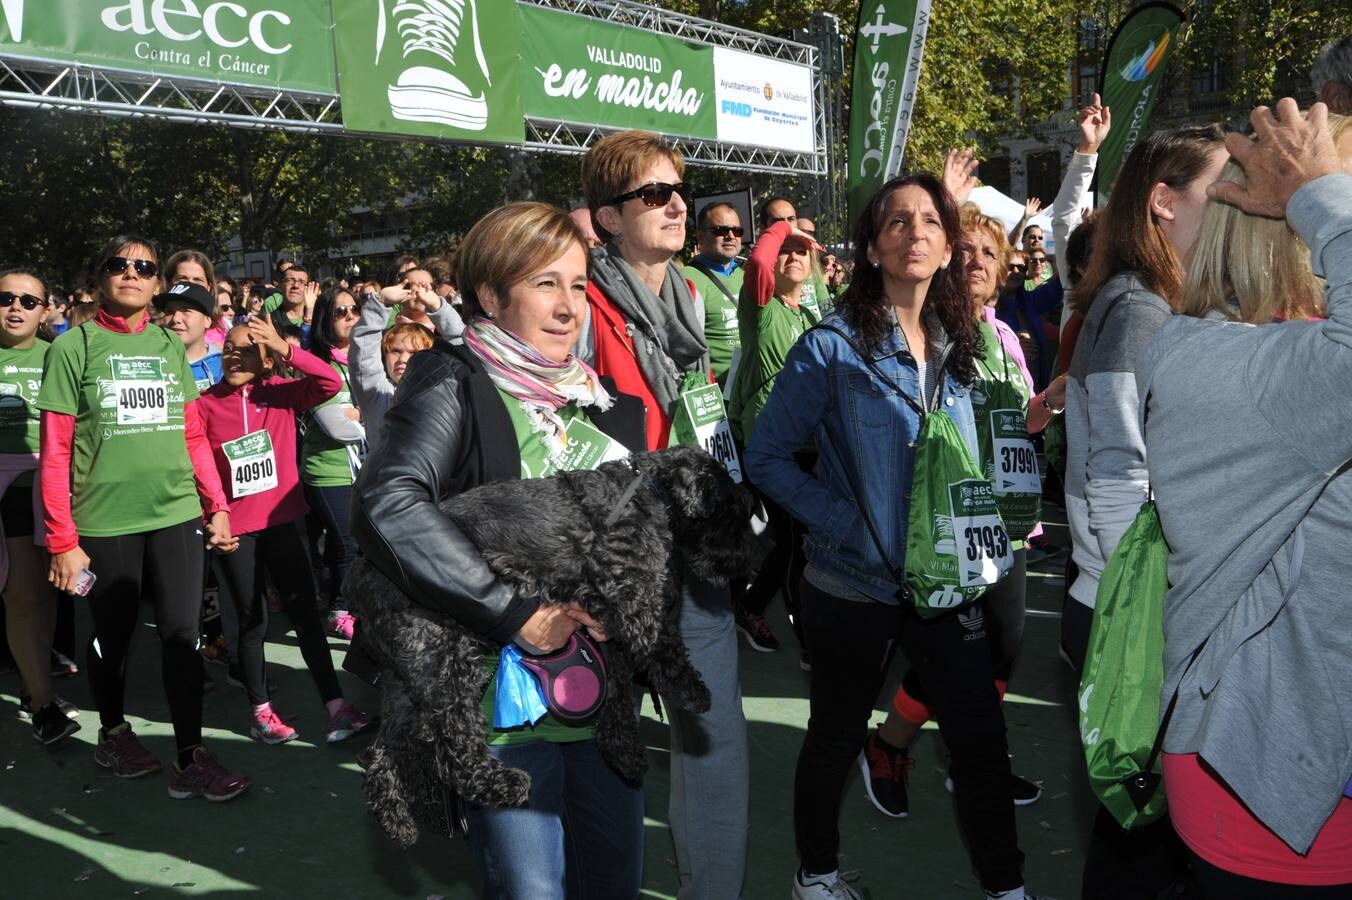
[(905, 324), (511, 402)]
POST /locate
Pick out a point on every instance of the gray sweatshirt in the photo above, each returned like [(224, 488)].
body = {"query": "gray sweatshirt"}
[(1248, 437), (373, 389), (1106, 477)]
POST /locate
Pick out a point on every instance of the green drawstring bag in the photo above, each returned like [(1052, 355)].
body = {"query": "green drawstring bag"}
[(1120, 724), (956, 543), (957, 547)]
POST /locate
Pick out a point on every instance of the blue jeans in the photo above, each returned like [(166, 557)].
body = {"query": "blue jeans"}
[(580, 835), (710, 777)]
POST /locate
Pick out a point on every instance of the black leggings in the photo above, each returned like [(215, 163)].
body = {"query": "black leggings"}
[(331, 510), (1002, 608), (278, 552), (852, 644), (166, 567), (782, 568)]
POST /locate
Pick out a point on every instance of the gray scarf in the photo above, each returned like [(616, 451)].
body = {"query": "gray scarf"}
[(667, 331)]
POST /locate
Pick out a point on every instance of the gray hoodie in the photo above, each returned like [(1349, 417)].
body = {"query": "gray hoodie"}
[(1248, 435)]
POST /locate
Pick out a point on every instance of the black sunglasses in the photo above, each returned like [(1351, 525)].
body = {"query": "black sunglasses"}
[(725, 230), (27, 301), (342, 311), (1018, 267), (654, 193), (116, 265)]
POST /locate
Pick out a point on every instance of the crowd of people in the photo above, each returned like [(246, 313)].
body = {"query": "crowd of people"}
[(169, 435)]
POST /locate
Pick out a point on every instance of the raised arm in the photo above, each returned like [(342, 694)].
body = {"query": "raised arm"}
[(366, 362)]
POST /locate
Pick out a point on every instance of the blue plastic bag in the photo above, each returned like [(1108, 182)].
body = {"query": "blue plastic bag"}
[(519, 699)]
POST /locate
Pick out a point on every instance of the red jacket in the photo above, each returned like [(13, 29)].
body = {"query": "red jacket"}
[(271, 404), (613, 355)]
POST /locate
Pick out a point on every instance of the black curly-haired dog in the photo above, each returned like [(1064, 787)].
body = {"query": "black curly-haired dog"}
[(618, 540)]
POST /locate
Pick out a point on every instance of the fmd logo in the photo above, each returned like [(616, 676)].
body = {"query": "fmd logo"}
[(733, 108)]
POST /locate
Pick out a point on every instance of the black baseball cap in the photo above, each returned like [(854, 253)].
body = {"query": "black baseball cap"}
[(185, 293)]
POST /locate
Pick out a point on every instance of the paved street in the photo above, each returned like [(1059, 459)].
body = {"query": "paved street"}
[(69, 830)]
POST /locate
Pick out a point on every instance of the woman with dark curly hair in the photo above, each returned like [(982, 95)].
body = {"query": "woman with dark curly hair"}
[(902, 339)]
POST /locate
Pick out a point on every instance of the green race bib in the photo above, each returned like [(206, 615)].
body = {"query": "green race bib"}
[(702, 421)]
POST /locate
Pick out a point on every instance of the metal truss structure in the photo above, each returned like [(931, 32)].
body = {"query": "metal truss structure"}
[(97, 89), (74, 87)]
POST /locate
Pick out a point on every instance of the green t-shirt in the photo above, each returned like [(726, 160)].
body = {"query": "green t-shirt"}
[(768, 333), (20, 379), (720, 317), (325, 462), (816, 296), (130, 471), (587, 449)]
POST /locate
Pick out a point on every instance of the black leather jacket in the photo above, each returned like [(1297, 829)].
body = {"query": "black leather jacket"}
[(446, 432)]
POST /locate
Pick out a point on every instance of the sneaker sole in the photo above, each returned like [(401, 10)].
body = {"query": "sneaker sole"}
[(127, 775), (751, 642), (218, 798), (868, 789), (1029, 801), (271, 740)]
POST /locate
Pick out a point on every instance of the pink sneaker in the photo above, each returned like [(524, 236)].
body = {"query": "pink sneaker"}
[(124, 754), (269, 728), (206, 778), (346, 722), (341, 624)]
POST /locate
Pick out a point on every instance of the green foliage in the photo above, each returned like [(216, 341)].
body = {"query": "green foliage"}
[(1265, 48)]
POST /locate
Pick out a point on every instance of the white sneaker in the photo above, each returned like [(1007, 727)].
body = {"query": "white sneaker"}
[(833, 889)]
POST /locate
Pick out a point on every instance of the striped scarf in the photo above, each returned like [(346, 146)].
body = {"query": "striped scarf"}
[(542, 385)]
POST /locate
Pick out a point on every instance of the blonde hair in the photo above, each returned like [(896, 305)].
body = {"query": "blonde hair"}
[(1249, 268), (507, 245), (971, 218), (1338, 125), (615, 161)]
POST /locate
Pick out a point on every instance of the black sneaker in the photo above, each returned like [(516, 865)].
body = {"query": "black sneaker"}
[(70, 710), (886, 771), (759, 636), (51, 724), (1023, 791)]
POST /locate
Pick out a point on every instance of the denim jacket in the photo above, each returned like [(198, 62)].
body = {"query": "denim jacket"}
[(827, 392)]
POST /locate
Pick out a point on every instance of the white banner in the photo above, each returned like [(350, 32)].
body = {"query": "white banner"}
[(763, 102)]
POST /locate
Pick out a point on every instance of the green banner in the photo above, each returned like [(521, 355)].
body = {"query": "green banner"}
[(439, 68), (579, 69), (1129, 84), (889, 47), (263, 43)]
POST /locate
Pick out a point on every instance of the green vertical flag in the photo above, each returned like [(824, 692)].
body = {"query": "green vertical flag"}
[(889, 45), (1133, 69)]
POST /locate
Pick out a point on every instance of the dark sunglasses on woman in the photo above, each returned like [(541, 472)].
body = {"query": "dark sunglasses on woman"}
[(27, 301), (116, 265), (654, 193)]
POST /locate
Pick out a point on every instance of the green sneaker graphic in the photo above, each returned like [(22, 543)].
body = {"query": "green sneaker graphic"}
[(434, 88)]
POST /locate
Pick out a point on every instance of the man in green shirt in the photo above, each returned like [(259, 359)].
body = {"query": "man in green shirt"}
[(296, 303), (718, 277)]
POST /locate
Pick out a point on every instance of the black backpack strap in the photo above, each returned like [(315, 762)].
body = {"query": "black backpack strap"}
[(714, 277)]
